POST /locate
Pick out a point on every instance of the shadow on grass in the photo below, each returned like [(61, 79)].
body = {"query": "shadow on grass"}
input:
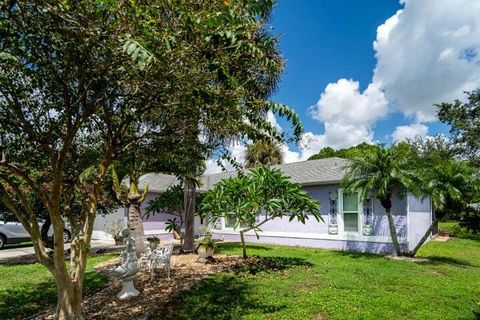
[(257, 264), (447, 260), (358, 255), (220, 297), (23, 301), (228, 296), (226, 246)]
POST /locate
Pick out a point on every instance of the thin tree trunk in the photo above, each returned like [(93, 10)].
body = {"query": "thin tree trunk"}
[(189, 207), (393, 232), (244, 247), (242, 232), (424, 238), (135, 223)]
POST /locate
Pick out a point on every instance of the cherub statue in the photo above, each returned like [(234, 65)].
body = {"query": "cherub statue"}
[(129, 267)]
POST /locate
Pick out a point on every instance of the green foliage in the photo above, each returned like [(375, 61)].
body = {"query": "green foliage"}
[(470, 219), (464, 119), (263, 153), (173, 225), (206, 241), (227, 65), (360, 150), (170, 201), (257, 197), (455, 229), (382, 171), (452, 185)]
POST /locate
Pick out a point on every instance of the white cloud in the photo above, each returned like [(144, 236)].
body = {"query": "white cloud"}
[(237, 151), (348, 115), (402, 133), (428, 53)]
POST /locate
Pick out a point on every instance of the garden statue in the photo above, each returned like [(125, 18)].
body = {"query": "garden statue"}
[(129, 267)]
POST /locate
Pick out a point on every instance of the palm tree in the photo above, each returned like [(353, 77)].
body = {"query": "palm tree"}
[(383, 171), (452, 184), (263, 153)]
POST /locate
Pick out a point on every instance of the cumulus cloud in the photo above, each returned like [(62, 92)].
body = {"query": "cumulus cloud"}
[(348, 115), (428, 53), (402, 133)]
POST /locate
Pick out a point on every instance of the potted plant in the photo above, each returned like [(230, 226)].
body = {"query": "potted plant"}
[(173, 227), (153, 242), (206, 245), (114, 228)]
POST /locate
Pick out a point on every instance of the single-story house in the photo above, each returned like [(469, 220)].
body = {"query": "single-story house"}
[(348, 223)]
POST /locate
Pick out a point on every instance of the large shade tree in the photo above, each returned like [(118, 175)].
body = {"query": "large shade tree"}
[(384, 172), (230, 65), (360, 150), (464, 119), (68, 100)]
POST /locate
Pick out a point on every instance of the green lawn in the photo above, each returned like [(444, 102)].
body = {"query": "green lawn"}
[(318, 284), (342, 285), (29, 288)]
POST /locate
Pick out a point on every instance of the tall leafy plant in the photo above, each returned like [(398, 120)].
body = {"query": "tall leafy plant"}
[(171, 202), (260, 196), (70, 103), (384, 171), (230, 66)]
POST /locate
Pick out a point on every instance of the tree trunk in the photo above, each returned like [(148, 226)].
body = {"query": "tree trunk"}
[(244, 247), (393, 232), (135, 223), (47, 241), (189, 207), (69, 296), (424, 238)]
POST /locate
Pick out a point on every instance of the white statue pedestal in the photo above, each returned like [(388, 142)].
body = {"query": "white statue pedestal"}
[(128, 290)]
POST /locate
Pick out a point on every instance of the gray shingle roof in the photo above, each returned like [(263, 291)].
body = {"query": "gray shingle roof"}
[(313, 172)]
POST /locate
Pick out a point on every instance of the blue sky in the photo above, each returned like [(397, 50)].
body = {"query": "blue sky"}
[(372, 70), (323, 41)]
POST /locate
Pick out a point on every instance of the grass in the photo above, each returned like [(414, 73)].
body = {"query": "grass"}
[(455, 230), (297, 283), (26, 289), (341, 285)]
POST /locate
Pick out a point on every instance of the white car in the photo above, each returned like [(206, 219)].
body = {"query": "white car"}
[(12, 231)]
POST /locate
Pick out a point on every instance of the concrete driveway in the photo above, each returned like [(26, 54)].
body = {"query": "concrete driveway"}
[(26, 250)]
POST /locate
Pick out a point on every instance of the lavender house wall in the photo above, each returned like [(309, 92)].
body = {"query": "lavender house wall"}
[(412, 218), (315, 234)]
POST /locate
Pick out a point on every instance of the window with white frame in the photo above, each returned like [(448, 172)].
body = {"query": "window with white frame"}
[(350, 212)]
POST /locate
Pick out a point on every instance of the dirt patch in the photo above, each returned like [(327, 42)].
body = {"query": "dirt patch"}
[(185, 273), (442, 238), (411, 259)]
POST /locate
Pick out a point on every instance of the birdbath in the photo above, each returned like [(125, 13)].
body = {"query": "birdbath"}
[(128, 269)]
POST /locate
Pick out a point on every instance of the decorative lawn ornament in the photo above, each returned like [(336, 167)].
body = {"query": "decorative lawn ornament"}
[(129, 268), (157, 257)]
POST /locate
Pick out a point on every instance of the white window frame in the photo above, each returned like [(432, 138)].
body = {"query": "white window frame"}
[(340, 216)]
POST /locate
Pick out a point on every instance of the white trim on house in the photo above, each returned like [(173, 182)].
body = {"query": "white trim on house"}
[(318, 236), (340, 215)]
